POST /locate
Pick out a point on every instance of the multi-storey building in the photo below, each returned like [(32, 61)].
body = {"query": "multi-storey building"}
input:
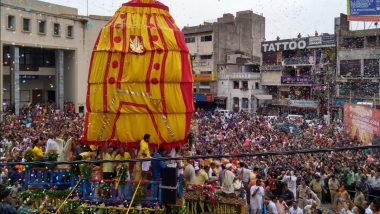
[(358, 70), (297, 73), (226, 43), (45, 53)]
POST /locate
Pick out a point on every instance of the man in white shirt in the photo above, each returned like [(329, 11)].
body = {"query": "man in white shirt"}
[(295, 209), (256, 202), (291, 180), (367, 207), (271, 206), (229, 178)]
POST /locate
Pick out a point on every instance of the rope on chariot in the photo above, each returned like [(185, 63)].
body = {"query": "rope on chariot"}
[(68, 196)]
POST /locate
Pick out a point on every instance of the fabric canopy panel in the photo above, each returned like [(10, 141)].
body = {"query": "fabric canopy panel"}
[(140, 79)]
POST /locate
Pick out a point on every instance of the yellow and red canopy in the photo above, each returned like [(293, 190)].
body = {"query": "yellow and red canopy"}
[(140, 79)]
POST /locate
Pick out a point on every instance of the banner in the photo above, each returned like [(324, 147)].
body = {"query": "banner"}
[(363, 10), (362, 122)]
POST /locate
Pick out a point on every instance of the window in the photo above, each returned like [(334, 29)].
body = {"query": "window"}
[(257, 85), (245, 85), (204, 84), (236, 104), (371, 41), (236, 84), (350, 68), (70, 32), (190, 39), (245, 103), (37, 57), (371, 67), (57, 29), (236, 101), (357, 42), (26, 25), (206, 72), (41, 26), (272, 57), (359, 89), (7, 55), (206, 56), (207, 38), (11, 25)]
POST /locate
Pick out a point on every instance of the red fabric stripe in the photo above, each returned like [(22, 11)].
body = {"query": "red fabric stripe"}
[(85, 131), (121, 67), (105, 91), (186, 80), (149, 72), (163, 67), (154, 5)]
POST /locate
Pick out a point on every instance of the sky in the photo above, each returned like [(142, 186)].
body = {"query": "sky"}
[(284, 18)]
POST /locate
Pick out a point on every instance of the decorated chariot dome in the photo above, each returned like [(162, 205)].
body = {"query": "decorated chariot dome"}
[(140, 79)]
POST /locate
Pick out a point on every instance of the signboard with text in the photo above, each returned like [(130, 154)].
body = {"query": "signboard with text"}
[(203, 77), (298, 44), (304, 103), (283, 45), (363, 10), (296, 80)]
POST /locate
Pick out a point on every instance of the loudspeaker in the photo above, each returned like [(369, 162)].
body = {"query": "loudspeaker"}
[(169, 176), (169, 185), (169, 196)]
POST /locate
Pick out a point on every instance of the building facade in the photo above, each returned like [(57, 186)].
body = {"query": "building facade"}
[(358, 70), (241, 87), (45, 53), (297, 73), (221, 48)]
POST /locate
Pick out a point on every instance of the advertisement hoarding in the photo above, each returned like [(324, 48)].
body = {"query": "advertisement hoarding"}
[(361, 122), (363, 10)]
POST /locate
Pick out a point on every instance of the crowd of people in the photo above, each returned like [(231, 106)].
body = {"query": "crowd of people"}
[(300, 183), (295, 184)]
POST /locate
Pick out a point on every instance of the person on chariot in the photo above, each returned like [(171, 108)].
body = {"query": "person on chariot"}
[(141, 169)]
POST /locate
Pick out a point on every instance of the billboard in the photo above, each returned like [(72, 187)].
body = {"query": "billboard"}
[(362, 122), (363, 10)]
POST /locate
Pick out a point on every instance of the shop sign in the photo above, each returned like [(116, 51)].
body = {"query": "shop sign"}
[(209, 98), (304, 103), (272, 68), (296, 80), (29, 77), (283, 45), (199, 97)]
